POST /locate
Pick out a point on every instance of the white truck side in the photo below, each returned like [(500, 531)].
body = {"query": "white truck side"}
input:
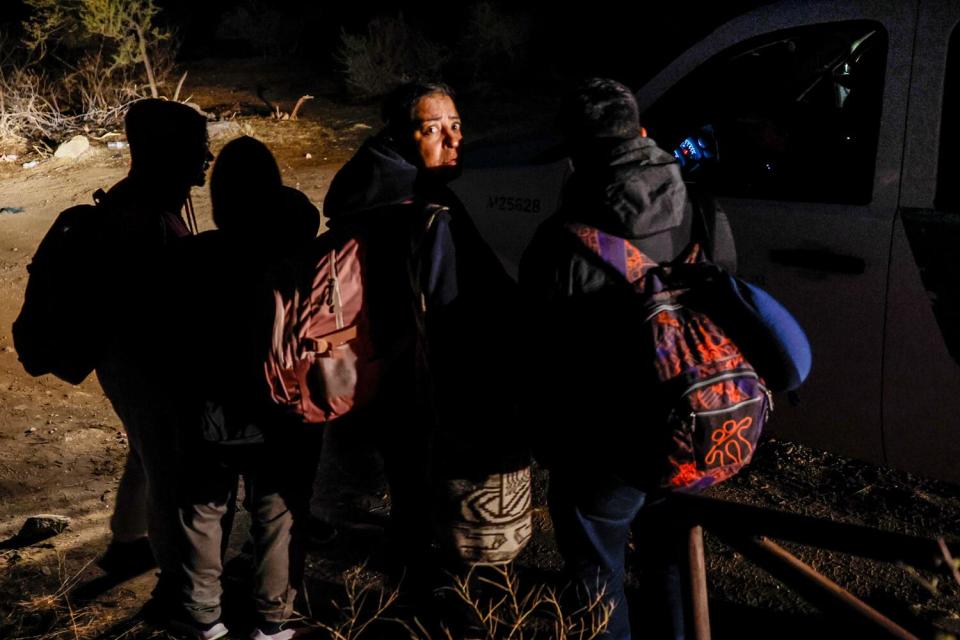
[(836, 166)]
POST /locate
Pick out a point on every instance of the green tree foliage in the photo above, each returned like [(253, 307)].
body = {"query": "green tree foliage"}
[(123, 29)]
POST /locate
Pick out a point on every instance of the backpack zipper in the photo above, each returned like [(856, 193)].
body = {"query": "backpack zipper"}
[(661, 308), (732, 407), (739, 373)]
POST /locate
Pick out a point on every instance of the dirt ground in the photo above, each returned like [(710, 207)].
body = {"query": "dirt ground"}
[(62, 448)]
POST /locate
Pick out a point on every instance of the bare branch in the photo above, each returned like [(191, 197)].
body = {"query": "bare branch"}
[(176, 94), (296, 108)]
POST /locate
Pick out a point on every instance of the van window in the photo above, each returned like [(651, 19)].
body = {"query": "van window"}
[(948, 172), (795, 115)]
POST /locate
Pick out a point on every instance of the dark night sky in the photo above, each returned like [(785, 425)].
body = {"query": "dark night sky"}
[(602, 38)]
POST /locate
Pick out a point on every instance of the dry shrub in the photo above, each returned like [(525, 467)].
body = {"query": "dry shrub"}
[(28, 107), (500, 609), (366, 603), (390, 53), (117, 54), (489, 601), (100, 95), (493, 42)]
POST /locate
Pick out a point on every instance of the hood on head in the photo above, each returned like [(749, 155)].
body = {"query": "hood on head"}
[(635, 190), (376, 176)]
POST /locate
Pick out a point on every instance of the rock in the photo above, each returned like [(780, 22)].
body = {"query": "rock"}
[(223, 128), (32, 164), (308, 156), (42, 526), (73, 149)]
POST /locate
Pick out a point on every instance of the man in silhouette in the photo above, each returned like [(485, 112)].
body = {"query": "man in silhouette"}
[(169, 155)]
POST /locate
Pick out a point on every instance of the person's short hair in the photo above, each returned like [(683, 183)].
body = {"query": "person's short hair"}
[(600, 109), (158, 130), (244, 180), (398, 111)]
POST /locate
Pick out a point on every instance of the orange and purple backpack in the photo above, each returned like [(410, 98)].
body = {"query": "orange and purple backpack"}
[(714, 402)]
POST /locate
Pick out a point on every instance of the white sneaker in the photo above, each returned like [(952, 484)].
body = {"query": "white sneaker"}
[(198, 631)]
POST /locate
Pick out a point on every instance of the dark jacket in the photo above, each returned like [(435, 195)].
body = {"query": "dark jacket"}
[(466, 300), (588, 361), (139, 233), (219, 309), (633, 191)]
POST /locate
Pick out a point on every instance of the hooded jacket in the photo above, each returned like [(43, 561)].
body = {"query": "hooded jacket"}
[(459, 281), (632, 190), (587, 357)]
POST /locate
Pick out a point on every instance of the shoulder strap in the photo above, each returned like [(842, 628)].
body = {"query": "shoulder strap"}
[(615, 252), (422, 226)]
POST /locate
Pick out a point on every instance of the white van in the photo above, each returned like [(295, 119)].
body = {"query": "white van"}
[(838, 131)]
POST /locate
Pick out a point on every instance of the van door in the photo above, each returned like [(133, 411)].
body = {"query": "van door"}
[(921, 399), (806, 102)]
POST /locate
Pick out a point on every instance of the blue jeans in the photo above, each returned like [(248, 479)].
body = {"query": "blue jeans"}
[(593, 514)]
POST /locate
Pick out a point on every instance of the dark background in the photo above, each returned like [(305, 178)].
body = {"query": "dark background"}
[(600, 37)]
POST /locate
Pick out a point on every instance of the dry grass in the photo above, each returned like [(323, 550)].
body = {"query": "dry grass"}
[(54, 615), (500, 609), (486, 602), (366, 602)]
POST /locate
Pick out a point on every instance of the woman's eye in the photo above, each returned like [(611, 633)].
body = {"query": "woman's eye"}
[(456, 126), (431, 130)]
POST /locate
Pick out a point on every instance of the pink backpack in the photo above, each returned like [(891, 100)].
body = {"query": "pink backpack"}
[(321, 362)]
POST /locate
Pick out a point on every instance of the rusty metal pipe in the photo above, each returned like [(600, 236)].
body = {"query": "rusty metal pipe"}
[(700, 610), (788, 567), (742, 520)]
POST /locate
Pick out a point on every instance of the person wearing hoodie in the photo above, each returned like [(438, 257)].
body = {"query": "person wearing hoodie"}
[(588, 363), (218, 316), (424, 253)]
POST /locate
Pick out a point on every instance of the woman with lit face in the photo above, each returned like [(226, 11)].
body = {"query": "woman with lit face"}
[(437, 134), (423, 126)]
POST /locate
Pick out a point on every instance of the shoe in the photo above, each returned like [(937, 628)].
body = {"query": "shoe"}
[(127, 558), (278, 631), (187, 626)]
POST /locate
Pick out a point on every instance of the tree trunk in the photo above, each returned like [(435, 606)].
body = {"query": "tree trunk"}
[(146, 61)]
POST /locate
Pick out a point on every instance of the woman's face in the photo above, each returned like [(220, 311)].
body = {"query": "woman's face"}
[(437, 134)]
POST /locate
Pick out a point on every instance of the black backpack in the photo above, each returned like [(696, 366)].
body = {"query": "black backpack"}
[(62, 327)]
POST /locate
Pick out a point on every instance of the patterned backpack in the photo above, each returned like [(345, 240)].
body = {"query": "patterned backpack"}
[(714, 401)]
